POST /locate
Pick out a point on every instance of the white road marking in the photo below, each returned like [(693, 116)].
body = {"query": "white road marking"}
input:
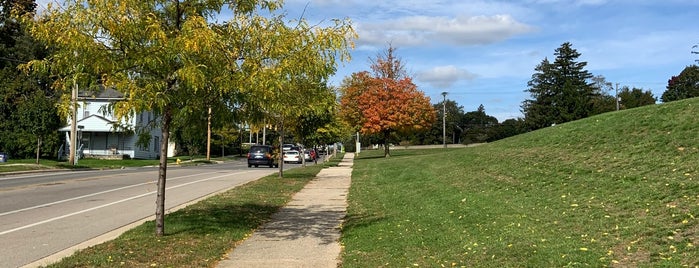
[(109, 204)]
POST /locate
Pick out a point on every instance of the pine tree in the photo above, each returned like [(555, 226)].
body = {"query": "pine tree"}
[(560, 90)]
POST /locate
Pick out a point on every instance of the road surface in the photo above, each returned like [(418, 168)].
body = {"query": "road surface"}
[(47, 216)]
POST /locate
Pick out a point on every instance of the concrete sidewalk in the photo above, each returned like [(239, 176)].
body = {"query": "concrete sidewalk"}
[(306, 232)]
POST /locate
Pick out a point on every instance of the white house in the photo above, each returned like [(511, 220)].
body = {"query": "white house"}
[(98, 135)]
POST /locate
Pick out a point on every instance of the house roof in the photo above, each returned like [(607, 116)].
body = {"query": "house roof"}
[(101, 93), (94, 123)]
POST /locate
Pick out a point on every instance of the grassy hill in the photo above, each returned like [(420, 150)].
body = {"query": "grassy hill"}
[(619, 189)]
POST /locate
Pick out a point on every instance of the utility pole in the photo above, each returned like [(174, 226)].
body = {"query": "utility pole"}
[(73, 124), (444, 119)]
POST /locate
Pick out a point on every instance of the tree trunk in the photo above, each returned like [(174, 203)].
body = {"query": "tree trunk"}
[(386, 147), (162, 174), (208, 136), (38, 149), (281, 151)]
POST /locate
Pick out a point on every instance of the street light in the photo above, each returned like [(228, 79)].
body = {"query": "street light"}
[(444, 119)]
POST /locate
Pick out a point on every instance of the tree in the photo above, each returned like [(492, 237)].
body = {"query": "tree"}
[(166, 56), (508, 128), (683, 86), (28, 106), (635, 97), (386, 102), (307, 127), (560, 90), (455, 123), (605, 101), (478, 125)]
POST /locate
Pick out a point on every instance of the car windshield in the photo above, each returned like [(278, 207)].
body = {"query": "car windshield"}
[(258, 150)]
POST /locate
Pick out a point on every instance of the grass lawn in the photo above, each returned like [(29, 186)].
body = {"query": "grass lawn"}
[(615, 190), (201, 234)]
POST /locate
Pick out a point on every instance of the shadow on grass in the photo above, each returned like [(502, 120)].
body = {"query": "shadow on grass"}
[(218, 219), (359, 221)]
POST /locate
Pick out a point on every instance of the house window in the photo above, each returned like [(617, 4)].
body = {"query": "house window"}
[(86, 113), (156, 143)]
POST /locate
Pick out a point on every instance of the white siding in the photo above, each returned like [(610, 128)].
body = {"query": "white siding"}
[(99, 137)]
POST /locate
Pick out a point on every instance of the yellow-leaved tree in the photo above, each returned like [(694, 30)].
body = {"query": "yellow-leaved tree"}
[(168, 55)]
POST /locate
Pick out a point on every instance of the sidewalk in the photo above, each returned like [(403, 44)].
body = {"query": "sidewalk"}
[(306, 232)]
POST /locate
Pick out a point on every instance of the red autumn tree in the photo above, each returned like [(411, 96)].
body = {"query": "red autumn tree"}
[(386, 102)]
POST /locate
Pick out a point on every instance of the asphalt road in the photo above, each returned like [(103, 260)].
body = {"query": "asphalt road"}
[(46, 216)]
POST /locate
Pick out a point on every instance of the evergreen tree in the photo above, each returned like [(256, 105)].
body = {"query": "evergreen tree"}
[(561, 91), (478, 126), (683, 86)]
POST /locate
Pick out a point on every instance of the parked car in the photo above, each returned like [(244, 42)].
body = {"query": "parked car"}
[(262, 155), (287, 147), (292, 156), (308, 156)]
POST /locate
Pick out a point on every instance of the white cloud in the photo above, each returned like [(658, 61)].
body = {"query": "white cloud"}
[(425, 30), (444, 76)]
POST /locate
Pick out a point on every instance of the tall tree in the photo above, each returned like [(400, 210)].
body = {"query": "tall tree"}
[(166, 56), (386, 102), (605, 101), (308, 124), (455, 124), (560, 90), (478, 125), (27, 106), (635, 97), (683, 86)]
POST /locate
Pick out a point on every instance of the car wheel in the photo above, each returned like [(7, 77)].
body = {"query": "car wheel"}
[(249, 165), (256, 165)]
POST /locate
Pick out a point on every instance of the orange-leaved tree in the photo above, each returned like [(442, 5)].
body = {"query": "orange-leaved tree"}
[(386, 102)]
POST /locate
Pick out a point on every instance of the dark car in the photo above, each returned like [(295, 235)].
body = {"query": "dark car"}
[(262, 155)]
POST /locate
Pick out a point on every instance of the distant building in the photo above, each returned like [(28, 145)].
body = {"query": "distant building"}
[(100, 135)]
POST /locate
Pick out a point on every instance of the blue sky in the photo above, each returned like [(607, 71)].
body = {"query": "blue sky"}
[(484, 52)]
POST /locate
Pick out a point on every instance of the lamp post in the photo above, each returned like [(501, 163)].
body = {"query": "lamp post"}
[(444, 119)]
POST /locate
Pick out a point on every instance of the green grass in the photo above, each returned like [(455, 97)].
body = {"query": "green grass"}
[(200, 235), (618, 190)]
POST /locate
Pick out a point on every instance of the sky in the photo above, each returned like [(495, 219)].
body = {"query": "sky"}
[(485, 52)]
